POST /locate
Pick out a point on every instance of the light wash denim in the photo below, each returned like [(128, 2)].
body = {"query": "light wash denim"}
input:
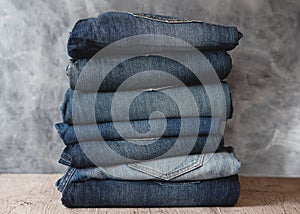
[(220, 64), (116, 193), (90, 107), (76, 156), (90, 35), (150, 129), (189, 168)]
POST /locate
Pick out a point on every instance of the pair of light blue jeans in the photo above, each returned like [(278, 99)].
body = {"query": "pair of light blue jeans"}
[(175, 102), (182, 168)]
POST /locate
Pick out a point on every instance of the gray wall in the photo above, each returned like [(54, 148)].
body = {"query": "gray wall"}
[(264, 81)]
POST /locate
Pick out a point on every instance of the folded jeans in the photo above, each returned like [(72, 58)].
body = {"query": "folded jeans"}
[(108, 153), (185, 168), (90, 35), (157, 128), (114, 193), (192, 101), (95, 76)]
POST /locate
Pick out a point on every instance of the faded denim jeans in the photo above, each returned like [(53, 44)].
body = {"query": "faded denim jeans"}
[(90, 35), (216, 62), (114, 193), (188, 168), (192, 101)]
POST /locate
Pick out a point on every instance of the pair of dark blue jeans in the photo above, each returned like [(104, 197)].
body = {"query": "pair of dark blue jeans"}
[(204, 63), (88, 36), (149, 128), (78, 157), (115, 193)]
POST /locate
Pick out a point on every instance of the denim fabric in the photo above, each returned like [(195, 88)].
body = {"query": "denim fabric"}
[(172, 129), (189, 168), (74, 156), (220, 62), (146, 103), (112, 193), (90, 35)]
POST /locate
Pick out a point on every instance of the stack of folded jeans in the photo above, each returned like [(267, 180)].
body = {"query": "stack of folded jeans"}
[(144, 116)]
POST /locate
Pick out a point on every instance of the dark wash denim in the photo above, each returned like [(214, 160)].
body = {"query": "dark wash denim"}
[(220, 62), (146, 103), (108, 131), (90, 35), (114, 193), (74, 156)]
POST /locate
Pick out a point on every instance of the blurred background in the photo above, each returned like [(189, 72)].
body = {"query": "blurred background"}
[(265, 80)]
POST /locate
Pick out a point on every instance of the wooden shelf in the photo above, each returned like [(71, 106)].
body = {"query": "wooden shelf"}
[(36, 193)]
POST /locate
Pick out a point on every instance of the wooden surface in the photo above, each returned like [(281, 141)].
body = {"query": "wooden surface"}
[(35, 193)]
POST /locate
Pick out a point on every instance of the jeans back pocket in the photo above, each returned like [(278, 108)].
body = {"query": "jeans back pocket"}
[(160, 169)]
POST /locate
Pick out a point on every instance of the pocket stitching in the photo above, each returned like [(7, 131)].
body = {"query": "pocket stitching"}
[(153, 18), (198, 162)]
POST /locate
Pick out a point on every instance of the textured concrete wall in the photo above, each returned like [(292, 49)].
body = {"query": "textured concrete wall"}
[(265, 79)]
